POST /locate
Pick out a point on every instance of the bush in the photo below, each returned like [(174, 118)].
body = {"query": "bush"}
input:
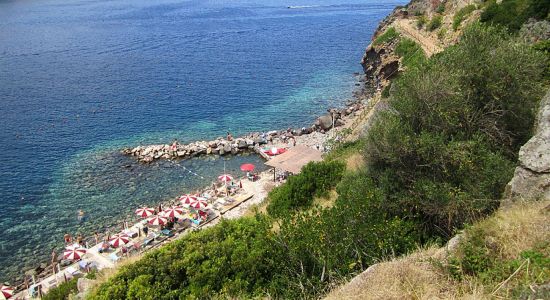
[(512, 14), (444, 152), (462, 14), (315, 179), (62, 291), (411, 53), (230, 259), (422, 20), (386, 37), (435, 23), (440, 8)]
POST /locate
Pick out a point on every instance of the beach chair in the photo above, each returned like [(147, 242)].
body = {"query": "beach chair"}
[(113, 257), (167, 232)]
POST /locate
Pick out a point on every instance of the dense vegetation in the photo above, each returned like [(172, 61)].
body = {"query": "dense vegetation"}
[(386, 37), (461, 14), (439, 158), (315, 180), (444, 153), (512, 14)]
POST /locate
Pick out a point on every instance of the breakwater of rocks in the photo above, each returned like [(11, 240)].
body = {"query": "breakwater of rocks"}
[(252, 142)]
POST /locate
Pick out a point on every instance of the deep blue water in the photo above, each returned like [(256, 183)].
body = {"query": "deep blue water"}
[(79, 80)]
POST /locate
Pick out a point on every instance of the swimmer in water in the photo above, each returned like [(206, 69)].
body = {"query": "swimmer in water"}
[(81, 215)]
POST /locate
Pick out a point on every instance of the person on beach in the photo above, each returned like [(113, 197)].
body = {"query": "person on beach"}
[(229, 136), (145, 230), (96, 236), (68, 238), (174, 147), (80, 239), (54, 259), (160, 208)]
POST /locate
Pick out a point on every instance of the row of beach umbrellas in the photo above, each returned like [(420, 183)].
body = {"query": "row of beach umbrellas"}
[(76, 252)]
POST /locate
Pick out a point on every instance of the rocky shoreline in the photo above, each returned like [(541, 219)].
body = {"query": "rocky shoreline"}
[(334, 118)]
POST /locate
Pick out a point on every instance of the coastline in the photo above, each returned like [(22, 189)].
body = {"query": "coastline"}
[(318, 135)]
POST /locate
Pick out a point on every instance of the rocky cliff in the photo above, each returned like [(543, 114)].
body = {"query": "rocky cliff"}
[(532, 176)]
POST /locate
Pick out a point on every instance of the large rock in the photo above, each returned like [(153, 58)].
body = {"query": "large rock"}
[(532, 177), (528, 185), (535, 154), (227, 148), (324, 122), (242, 144)]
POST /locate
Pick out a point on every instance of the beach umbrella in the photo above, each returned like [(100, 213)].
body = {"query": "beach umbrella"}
[(200, 203), (74, 252), (157, 220), (6, 292), (173, 212), (225, 177), (247, 167), (145, 212), (186, 199), (119, 240)]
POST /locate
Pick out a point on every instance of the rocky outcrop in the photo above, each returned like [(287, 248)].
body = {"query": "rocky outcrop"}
[(532, 177), (248, 143)]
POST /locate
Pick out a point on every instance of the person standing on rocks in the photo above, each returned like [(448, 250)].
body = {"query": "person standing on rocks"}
[(229, 136)]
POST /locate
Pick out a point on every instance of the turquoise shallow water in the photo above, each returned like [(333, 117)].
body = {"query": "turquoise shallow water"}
[(80, 79)]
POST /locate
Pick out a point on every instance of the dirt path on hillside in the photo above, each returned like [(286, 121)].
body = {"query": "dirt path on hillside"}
[(428, 44)]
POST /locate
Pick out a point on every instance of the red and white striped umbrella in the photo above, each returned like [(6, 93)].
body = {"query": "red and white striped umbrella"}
[(173, 212), (225, 177), (6, 292), (186, 199), (119, 239), (157, 220), (200, 203), (145, 212), (74, 252)]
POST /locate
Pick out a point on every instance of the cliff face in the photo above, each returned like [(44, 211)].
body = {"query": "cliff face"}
[(381, 63), (532, 177)]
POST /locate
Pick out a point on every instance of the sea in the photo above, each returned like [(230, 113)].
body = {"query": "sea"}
[(82, 79)]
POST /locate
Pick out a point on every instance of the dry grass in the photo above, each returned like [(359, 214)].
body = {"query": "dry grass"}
[(355, 162), (410, 277), (519, 228), (516, 229)]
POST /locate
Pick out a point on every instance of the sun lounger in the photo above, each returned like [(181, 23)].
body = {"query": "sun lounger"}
[(167, 232), (113, 257)]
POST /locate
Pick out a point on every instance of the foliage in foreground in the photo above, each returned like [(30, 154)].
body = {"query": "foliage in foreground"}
[(508, 261)]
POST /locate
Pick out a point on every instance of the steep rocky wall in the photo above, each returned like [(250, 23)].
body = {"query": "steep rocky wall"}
[(532, 177)]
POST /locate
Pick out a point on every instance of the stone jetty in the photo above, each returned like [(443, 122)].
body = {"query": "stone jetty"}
[(252, 142)]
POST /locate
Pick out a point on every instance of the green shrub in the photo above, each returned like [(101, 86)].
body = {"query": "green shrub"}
[(386, 37), (230, 259), (411, 53), (315, 179), (440, 8), (462, 14), (62, 291), (512, 14), (445, 151), (435, 23), (421, 21)]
